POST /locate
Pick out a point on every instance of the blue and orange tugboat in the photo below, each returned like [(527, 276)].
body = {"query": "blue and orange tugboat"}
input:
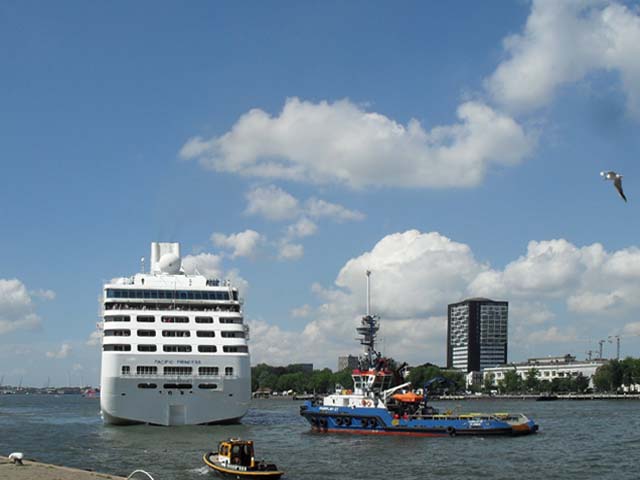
[(377, 407)]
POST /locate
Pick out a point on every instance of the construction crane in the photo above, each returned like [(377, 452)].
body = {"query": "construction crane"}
[(600, 343)]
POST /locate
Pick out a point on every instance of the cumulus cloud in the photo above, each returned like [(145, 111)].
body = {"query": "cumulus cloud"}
[(243, 244), (557, 292), (317, 208), (340, 142), (210, 266), (562, 43), (94, 338), (302, 228), (206, 264), (290, 251), (301, 312), (17, 308), (63, 352), (272, 203)]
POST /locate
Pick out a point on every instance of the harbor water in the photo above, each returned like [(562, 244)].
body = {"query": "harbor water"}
[(578, 440)]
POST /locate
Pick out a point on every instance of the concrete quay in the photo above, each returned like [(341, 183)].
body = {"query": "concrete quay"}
[(32, 470)]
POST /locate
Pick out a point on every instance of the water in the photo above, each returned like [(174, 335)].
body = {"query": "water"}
[(578, 440)]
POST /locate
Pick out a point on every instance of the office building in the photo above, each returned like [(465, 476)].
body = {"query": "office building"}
[(477, 334)]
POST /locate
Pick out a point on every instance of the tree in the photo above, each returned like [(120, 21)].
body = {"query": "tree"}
[(532, 383), (487, 384), (512, 381)]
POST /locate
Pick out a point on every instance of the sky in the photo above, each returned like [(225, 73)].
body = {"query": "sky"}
[(452, 148)]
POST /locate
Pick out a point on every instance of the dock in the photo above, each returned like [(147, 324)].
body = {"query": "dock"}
[(44, 471)]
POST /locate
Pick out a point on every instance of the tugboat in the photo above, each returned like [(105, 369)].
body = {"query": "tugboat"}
[(235, 459), (376, 407)]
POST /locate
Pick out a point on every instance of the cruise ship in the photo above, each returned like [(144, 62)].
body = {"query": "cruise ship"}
[(174, 347)]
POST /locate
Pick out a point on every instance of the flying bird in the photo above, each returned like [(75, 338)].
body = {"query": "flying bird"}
[(617, 181)]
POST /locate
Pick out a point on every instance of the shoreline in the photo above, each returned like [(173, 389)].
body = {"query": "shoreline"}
[(33, 469)]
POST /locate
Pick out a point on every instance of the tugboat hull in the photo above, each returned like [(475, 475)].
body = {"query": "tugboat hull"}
[(379, 421)]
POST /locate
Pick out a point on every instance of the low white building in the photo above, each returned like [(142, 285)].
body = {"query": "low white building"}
[(548, 368)]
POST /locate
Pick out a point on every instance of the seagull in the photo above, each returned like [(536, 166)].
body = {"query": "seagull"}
[(16, 457), (617, 181)]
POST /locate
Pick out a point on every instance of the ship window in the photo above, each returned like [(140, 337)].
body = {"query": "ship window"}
[(230, 319), (126, 370), (176, 333), (206, 333), (116, 347), (117, 333), (146, 318), (146, 333), (208, 386), (178, 370), (208, 371), (147, 385), (198, 295), (147, 294), (138, 294), (110, 293), (227, 334), (176, 348), (147, 348), (146, 370), (228, 371), (204, 320), (117, 318), (174, 319), (207, 348), (181, 386), (235, 349)]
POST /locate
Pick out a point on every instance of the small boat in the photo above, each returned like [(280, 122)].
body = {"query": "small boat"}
[(546, 397), (235, 459)]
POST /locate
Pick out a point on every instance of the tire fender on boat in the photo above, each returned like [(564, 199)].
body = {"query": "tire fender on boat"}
[(346, 421), (451, 431), (339, 421), (373, 423)]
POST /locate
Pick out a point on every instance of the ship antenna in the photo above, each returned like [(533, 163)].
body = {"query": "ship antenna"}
[(368, 293), (141, 264)]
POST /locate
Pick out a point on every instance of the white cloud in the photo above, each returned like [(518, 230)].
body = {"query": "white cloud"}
[(302, 228), (272, 203), (44, 294), (562, 43), (65, 350), (316, 207), (290, 251), (341, 143), (301, 312), (205, 264), (632, 328), (94, 339), (243, 244), (558, 293), (17, 309)]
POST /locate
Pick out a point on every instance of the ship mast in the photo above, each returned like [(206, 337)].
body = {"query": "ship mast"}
[(369, 326)]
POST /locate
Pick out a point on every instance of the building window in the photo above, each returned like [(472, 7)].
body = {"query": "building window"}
[(206, 333), (117, 318), (208, 371), (147, 348), (116, 348), (178, 370), (235, 349), (176, 348), (176, 333), (204, 320), (146, 370), (207, 348), (126, 370), (228, 371), (146, 333), (146, 318), (174, 319)]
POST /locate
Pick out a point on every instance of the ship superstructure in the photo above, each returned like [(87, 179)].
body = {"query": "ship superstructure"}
[(174, 347)]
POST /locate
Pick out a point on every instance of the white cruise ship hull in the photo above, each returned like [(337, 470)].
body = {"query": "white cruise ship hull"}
[(122, 402)]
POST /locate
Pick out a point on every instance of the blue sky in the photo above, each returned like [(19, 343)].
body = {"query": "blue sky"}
[(291, 145)]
